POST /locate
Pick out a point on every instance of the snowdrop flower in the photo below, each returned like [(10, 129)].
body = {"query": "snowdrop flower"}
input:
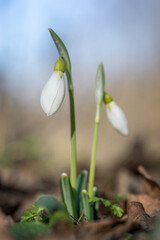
[(54, 90), (115, 115)]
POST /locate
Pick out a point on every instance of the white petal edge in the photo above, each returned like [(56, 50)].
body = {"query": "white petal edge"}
[(53, 93), (117, 118)]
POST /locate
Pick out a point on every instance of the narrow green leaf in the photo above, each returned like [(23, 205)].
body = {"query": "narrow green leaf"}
[(81, 184), (95, 204), (81, 181), (61, 49), (86, 205), (67, 195)]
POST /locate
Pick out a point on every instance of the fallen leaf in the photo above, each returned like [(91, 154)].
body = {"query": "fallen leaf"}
[(136, 214), (151, 187), (94, 230), (151, 205)]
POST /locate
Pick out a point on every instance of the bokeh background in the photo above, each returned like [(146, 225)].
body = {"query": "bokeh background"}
[(124, 35)]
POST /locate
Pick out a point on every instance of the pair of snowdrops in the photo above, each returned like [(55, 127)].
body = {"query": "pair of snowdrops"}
[(54, 91)]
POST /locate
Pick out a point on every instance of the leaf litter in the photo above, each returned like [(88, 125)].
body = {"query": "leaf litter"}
[(139, 221)]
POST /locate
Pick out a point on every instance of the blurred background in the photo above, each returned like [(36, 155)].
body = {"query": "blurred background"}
[(124, 35)]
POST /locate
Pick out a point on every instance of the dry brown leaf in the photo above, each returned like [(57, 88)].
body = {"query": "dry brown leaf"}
[(94, 230), (137, 214), (106, 229), (151, 205), (151, 187)]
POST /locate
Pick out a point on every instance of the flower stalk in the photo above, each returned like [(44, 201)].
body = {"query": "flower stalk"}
[(93, 155), (65, 56), (99, 92), (73, 166)]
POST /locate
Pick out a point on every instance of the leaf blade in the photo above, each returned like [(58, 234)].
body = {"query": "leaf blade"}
[(67, 195), (81, 184), (61, 49)]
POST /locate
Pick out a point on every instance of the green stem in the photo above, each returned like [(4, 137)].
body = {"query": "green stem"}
[(73, 166), (63, 53), (93, 156)]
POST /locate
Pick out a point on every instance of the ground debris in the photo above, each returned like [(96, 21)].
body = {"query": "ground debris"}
[(5, 223), (137, 214), (61, 231), (141, 210), (151, 205), (94, 230), (126, 182), (106, 229), (151, 187), (16, 190)]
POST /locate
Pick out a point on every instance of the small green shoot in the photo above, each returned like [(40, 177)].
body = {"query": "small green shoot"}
[(67, 194), (81, 184), (30, 216), (42, 209), (117, 211), (86, 205)]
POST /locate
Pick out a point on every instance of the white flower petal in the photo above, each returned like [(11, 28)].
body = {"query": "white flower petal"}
[(117, 118), (53, 93)]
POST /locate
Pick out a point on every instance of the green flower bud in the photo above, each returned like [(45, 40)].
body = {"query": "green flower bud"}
[(107, 98), (60, 66), (99, 84)]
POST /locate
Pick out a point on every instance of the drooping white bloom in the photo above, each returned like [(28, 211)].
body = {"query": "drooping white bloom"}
[(53, 93), (117, 118)]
